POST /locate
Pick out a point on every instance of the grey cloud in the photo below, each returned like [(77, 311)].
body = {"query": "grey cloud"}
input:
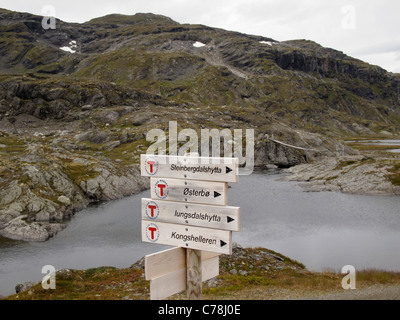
[(382, 47)]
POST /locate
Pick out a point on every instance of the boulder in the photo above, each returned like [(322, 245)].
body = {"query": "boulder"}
[(21, 287), (10, 193), (19, 229), (110, 186), (272, 153), (112, 145), (54, 228), (64, 200), (107, 116)]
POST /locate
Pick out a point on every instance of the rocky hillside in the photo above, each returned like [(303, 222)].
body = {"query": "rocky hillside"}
[(76, 104), (311, 87)]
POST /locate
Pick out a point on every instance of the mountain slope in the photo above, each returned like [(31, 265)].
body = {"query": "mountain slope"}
[(77, 102), (299, 82)]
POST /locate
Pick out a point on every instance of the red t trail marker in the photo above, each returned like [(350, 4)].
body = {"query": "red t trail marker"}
[(192, 191), (190, 168), (188, 209)]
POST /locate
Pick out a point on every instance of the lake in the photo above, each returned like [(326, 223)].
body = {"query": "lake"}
[(320, 229), (388, 143)]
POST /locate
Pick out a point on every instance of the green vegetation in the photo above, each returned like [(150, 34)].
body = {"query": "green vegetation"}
[(296, 82), (78, 172), (372, 147), (395, 174), (260, 274), (354, 163)]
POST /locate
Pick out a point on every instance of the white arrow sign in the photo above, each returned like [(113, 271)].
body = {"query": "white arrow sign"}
[(191, 168), (189, 191), (216, 217), (187, 237)]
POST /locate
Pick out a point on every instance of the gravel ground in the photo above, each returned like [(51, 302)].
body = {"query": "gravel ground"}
[(376, 292)]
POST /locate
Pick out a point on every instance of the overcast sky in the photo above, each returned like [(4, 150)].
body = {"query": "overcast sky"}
[(365, 29)]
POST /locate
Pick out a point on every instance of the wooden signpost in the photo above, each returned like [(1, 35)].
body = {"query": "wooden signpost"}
[(188, 210)]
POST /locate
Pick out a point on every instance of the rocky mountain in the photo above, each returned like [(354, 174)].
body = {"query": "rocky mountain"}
[(299, 81), (77, 101)]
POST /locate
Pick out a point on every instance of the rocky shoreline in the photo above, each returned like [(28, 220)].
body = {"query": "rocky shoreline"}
[(360, 174), (27, 216)]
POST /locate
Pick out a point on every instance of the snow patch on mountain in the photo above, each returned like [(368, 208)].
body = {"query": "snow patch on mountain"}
[(71, 48), (198, 44)]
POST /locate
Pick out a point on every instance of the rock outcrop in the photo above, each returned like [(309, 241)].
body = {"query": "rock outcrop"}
[(348, 174), (47, 189)]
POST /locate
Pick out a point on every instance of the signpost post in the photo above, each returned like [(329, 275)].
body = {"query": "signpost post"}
[(188, 210)]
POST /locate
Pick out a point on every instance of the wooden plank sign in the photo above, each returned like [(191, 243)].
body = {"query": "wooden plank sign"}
[(171, 260), (189, 191), (219, 241), (191, 168), (166, 271), (215, 217)]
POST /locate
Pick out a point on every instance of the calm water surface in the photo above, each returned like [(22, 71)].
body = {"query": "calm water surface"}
[(380, 143), (321, 230)]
